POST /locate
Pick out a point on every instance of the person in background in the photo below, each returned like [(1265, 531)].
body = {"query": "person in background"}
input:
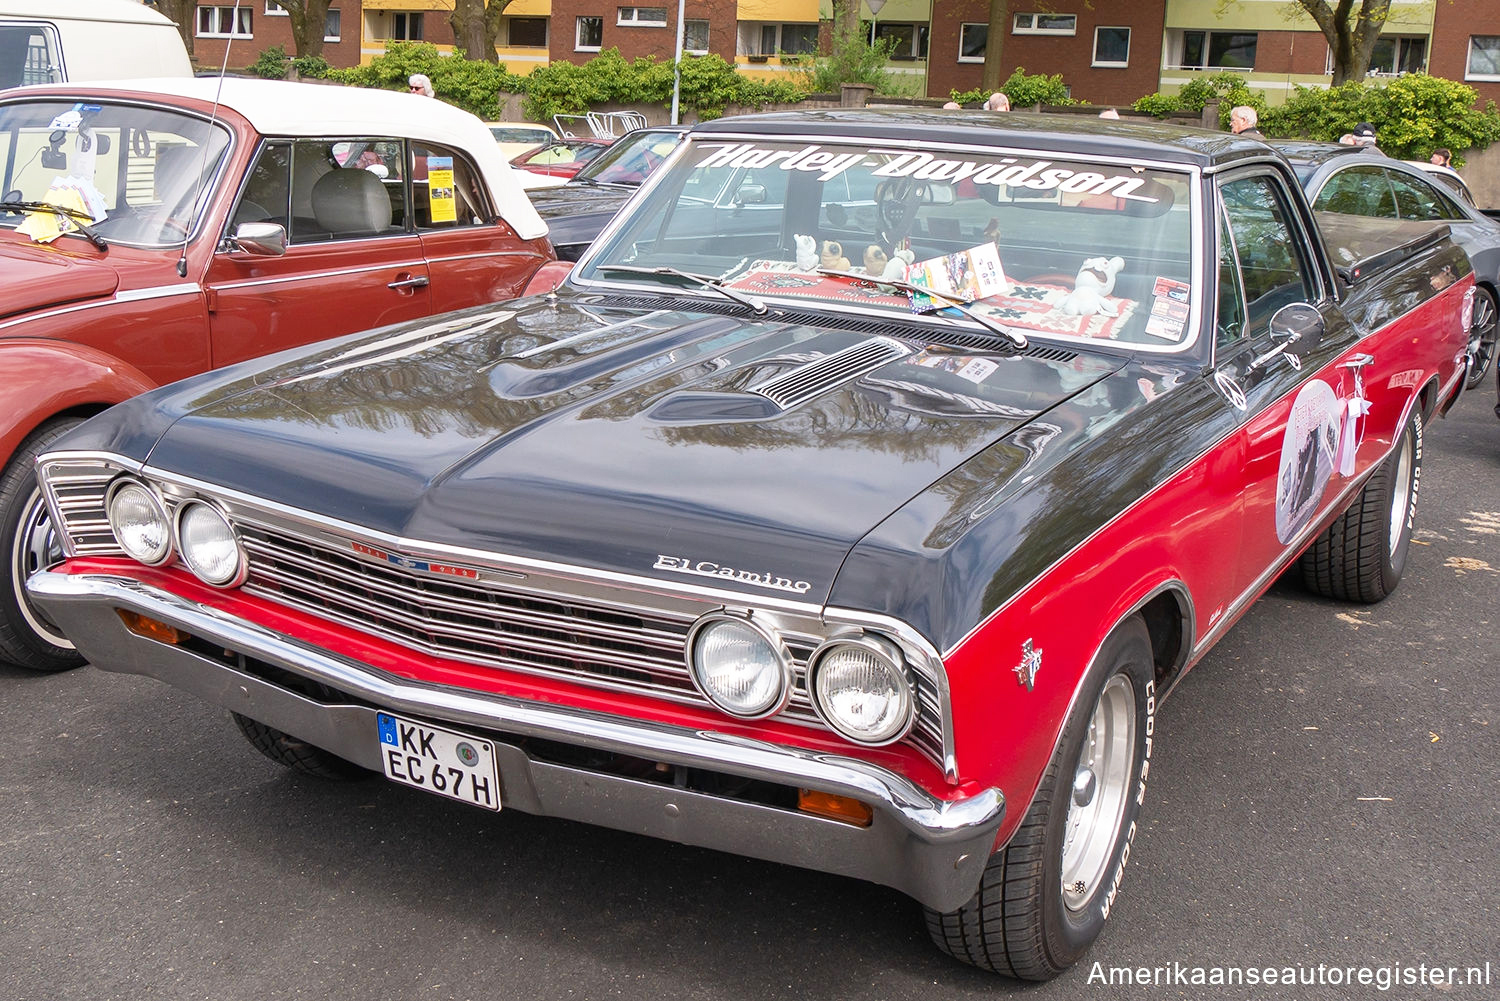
[(1347, 139), (1442, 156), (1243, 121), (1109, 113), (419, 84), (1364, 134), (997, 102), (952, 106)]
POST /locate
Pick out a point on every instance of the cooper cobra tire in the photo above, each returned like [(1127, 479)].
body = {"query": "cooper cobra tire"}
[(27, 636), (1482, 336), (298, 755), (1045, 896), (1362, 554)]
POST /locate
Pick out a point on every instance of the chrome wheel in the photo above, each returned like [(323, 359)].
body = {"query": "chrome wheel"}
[(1098, 793), (1482, 337), (36, 547)]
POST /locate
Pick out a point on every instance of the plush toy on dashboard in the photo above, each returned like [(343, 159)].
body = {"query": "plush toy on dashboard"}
[(1096, 279), (898, 268), (807, 252), (833, 258), (875, 260)]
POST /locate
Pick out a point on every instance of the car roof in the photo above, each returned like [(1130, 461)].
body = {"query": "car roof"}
[(112, 11), (1081, 134), (279, 108), (1319, 153)]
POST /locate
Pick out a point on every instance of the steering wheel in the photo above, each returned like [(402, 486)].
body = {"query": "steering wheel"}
[(896, 202)]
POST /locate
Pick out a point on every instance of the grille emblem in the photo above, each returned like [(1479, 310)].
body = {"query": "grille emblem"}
[(407, 563)]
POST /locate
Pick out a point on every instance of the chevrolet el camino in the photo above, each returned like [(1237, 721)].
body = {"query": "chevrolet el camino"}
[(854, 504)]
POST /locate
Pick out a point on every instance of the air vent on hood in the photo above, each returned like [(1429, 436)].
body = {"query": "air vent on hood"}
[(806, 382)]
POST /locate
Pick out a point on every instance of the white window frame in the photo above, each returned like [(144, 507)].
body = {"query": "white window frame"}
[(220, 13), (687, 22), (1111, 64), (578, 45), (1469, 74), (337, 21), (962, 28), (630, 17), (1028, 24), (274, 11)]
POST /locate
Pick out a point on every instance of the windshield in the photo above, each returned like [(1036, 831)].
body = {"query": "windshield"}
[(631, 158), (1045, 245), (141, 173)]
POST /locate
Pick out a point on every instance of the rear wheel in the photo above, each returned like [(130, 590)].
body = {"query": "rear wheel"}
[(297, 754), (1045, 896), (1482, 336), (1362, 554), (27, 538)]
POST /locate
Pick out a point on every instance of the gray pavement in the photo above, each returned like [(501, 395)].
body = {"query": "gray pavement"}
[(1323, 792)]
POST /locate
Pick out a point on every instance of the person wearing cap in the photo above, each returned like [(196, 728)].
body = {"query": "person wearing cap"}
[(419, 84), (1364, 134), (997, 102), (1243, 121)]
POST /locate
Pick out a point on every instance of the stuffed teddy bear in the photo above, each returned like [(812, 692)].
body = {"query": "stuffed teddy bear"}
[(833, 258), (899, 266), (1096, 279), (807, 252)]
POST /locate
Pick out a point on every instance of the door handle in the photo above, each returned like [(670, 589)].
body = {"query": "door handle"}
[(420, 281)]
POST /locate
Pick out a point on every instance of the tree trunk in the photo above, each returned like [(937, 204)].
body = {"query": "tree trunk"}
[(993, 43), (182, 12), (1351, 34), (308, 20), (476, 27), (845, 22)]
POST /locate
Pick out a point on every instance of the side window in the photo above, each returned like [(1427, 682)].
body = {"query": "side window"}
[(446, 192), (339, 189), (1273, 267), (1358, 191), (1416, 199), (1229, 326)]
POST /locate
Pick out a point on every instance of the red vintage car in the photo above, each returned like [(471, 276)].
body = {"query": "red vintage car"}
[(563, 158), (207, 222)]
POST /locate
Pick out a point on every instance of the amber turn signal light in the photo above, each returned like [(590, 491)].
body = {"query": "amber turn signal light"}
[(150, 628), (850, 811)]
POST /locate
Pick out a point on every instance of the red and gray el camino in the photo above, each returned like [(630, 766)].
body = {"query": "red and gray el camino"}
[(854, 504)]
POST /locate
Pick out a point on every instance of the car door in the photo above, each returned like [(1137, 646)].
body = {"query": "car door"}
[(472, 255), (352, 260)]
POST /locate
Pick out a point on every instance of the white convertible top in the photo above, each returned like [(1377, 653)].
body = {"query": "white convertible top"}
[(277, 108), (112, 11)]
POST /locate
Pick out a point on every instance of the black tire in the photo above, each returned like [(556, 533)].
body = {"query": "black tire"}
[(1022, 921), (1482, 335), (27, 637), (298, 755), (1362, 554)]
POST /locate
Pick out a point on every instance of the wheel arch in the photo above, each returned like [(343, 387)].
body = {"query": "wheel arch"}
[(52, 379)]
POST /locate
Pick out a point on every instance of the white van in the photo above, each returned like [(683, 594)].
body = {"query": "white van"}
[(50, 41)]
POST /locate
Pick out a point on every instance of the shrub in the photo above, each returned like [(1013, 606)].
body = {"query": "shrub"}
[(1024, 90), (1229, 89), (270, 64), (709, 85), (471, 84), (311, 67), (857, 61)]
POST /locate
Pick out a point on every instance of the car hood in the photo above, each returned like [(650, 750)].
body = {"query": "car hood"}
[(666, 442), (35, 276), (558, 203)]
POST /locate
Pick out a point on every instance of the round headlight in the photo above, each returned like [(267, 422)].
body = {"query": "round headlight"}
[(860, 687), (738, 667), (209, 546), (139, 520)]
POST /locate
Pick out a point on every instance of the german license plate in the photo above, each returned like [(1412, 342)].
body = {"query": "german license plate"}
[(428, 757)]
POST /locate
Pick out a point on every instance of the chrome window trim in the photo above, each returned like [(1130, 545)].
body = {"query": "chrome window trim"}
[(302, 276)]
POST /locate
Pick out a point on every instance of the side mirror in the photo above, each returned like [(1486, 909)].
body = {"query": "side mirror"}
[(1297, 329), (750, 194), (266, 239)]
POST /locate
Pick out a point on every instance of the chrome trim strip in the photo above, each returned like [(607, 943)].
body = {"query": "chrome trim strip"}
[(932, 849), (480, 254), (160, 292), (420, 262)]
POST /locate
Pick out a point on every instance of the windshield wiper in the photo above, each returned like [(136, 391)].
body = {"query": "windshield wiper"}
[(711, 282), (1015, 337), (79, 219)]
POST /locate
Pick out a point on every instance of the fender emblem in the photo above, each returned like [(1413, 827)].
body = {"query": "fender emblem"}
[(1031, 664)]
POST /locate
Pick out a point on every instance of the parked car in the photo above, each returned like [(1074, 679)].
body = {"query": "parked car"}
[(562, 158), (1340, 179), (223, 224), (577, 211), (515, 138), (861, 523), (55, 41)]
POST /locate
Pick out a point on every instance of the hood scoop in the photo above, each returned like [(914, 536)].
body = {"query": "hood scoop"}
[(809, 381)]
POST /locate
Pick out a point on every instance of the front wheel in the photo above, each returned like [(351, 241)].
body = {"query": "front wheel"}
[(1045, 896), (1482, 336), (27, 637)]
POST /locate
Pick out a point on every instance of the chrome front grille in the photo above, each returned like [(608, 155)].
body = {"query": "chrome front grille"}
[(497, 622)]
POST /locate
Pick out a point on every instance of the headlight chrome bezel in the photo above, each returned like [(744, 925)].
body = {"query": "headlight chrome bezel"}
[(158, 504), (242, 562), (772, 639), (886, 651)]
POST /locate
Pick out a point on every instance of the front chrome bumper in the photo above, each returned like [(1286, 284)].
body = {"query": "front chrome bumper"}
[(933, 850)]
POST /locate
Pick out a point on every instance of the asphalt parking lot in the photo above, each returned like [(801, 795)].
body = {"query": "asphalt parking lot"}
[(1323, 793)]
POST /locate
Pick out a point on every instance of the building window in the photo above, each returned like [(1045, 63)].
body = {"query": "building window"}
[(695, 36), (406, 27), (1044, 24), (590, 34), (331, 26), (224, 22), (761, 39), (1484, 58), (972, 39), (910, 39), (1218, 50), (526, 32), (273, 10), (642, 17), (1111, 46)]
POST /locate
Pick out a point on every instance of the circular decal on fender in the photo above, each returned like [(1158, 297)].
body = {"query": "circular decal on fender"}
[(1308, 449), (466, 753)]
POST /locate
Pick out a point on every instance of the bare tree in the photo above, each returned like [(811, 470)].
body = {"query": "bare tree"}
[(1351, 33), (182, 12), (476, 27), (309, 20), (999, 24)]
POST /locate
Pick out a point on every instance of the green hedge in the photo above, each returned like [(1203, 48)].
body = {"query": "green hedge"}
[(709, 85), (1024, 90), (470, 84)]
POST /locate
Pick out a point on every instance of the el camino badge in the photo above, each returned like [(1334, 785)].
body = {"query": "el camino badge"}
[(1031, 663), (407, 563), (707, 568)]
